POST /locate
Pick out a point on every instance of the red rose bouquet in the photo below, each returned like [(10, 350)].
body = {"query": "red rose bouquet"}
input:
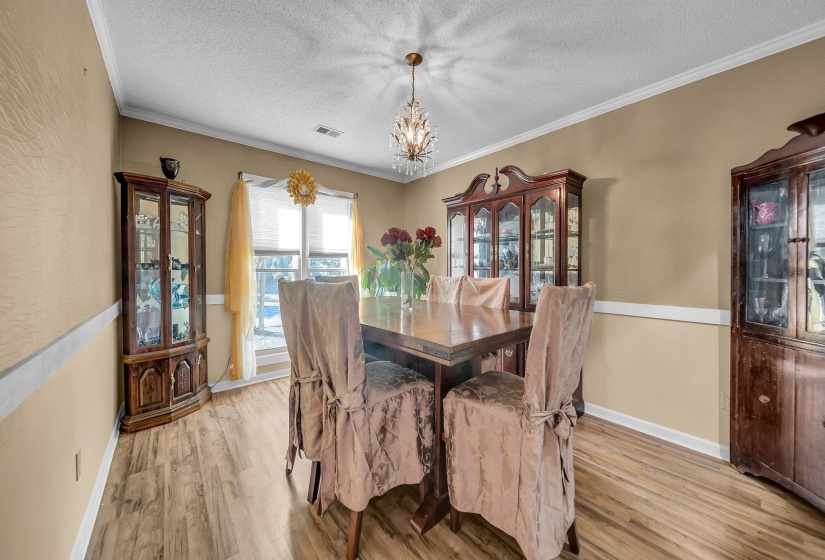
[(399, 267)]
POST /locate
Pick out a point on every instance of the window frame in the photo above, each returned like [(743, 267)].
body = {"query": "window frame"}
[(269, 356)]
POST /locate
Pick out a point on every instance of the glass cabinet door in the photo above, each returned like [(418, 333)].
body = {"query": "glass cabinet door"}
[(178, 265), (767, 236), (482, 247), (458, 244), (200, 272), (573, 232), (507, 250), (542, 253), (815, 254), (148, 293)]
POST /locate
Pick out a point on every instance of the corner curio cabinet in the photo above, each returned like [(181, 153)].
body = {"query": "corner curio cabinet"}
[(778, 312), (525, 228), (164, 298)]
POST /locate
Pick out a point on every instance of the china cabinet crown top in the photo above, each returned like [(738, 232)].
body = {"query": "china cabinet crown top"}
[(808, 144), (519, 182), (124, 177)]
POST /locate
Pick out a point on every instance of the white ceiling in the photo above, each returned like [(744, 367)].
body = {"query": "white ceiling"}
[(267, 72)]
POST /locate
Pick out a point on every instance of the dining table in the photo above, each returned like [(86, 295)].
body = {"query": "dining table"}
[(444, 342)]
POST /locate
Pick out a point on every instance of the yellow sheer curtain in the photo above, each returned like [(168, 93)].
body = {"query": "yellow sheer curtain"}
[(357, 249), (239, 284)]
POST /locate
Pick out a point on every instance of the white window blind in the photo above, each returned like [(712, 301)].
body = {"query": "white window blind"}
[(276, 221), (328, 227)]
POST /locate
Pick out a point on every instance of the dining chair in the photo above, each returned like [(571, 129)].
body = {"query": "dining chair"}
[(508, 439), (486, 292), (377, 419), (444, 289), (352, 279)]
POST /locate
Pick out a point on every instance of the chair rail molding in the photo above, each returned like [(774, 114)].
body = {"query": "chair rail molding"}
[(719, 317), (22, 379)]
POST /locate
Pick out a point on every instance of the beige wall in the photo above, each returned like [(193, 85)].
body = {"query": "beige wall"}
[(213, 164), (59, 265), (57, 195), (656, 222), (42, 504)]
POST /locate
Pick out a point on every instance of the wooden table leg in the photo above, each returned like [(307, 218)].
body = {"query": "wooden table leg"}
[(436, 505)]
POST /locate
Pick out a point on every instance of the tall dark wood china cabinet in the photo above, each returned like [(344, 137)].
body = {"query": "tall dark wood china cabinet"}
[(778, 312), (526, 228), (164, 299)]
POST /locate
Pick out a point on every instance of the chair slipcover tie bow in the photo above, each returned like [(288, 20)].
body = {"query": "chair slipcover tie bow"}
[(349, 403), (295, 441), (562, 420)]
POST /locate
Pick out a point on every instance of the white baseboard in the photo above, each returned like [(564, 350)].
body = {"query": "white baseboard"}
[(705, 446), (87, 525), (227, 385)]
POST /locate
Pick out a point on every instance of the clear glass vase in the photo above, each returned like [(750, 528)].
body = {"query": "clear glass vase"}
[(406, 289)]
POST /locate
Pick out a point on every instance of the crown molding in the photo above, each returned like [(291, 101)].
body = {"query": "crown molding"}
[(105, 41), (253, 142), (784, 42), (789, 40)]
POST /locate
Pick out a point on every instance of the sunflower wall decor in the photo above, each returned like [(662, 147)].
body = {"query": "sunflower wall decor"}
[(302, 188)]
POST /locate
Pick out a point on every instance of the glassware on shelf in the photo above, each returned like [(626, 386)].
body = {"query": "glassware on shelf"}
[(760, 307), (482, 243), (768, 258), (147, 267), (764, 249), (178, 265)]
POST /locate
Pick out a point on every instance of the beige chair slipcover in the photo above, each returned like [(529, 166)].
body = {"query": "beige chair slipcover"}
[(509, 446), (376, 427), (444, 289), (486, 292), (352, 279)]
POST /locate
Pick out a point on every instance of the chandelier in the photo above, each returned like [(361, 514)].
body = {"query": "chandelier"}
[(413, 142)]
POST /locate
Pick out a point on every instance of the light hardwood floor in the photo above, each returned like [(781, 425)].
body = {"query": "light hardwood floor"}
[(212, 486)]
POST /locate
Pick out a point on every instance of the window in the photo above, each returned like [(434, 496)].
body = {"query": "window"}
[(294, 243)]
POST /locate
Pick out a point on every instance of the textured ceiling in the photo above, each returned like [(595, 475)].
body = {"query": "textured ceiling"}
[(270, 71)]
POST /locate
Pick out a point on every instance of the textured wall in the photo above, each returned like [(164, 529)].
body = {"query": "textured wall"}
[(657, 224), (58, 266), (213, 164), (58, 147)]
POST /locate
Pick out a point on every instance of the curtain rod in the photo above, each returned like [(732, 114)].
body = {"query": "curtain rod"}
[(341, 196)]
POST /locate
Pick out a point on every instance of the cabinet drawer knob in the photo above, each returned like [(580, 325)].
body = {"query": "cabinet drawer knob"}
[(764, 399), (508, 353)]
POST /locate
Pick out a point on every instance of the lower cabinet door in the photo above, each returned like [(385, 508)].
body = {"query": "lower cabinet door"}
[(148, 386), (765, 405), (809, 447), (201, 369), (183, 381)]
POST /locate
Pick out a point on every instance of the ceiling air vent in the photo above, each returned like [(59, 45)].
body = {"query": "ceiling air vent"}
[(327, 131)]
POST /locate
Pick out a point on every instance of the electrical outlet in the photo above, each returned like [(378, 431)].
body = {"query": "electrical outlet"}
[(725, 401), (77, 465)]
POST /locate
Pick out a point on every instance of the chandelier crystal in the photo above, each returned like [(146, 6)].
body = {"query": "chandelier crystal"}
[(413, 141)]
